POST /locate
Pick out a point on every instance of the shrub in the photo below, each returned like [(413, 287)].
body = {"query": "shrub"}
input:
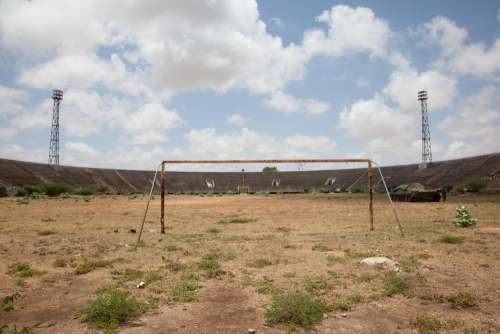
[(314, 284), (211, 266), (112, 309), (265, 286), (475, 186), (185, 291), (295, 309), (428, 324), (46, 232), (345, 304), (234, 221), (89, 266), (21, 269), (395, 283), (85, 191), (470, 330), (8, 302), (213, 230), (464, 218), (54, 189), (451, 239), (461, 300)]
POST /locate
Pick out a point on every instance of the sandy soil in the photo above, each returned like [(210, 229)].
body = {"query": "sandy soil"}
[(296, 238)]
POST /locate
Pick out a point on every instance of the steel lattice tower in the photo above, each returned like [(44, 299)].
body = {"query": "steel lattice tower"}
[(426, 132), (57, 96)]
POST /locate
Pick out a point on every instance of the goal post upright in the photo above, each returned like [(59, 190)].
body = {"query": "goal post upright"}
[(265, 161)]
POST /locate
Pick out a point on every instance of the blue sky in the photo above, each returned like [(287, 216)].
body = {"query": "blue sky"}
[(148, 80)]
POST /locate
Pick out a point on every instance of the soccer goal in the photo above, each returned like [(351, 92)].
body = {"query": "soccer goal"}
[(162, 169)]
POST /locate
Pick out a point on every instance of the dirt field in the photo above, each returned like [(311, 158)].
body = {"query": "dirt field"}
[(310, 243)]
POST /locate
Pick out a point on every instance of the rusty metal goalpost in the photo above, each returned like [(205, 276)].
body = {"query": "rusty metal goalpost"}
[(264, 161)]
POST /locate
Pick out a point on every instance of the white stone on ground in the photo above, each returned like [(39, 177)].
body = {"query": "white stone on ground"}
[(381, 261)]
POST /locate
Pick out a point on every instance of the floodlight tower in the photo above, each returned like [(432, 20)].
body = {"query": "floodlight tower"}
[(57, 96), (426, 132)]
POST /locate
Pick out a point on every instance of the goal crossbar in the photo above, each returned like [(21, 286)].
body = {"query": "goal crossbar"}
[(263, 161)]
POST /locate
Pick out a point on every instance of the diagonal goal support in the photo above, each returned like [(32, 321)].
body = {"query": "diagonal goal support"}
[(164, 163)]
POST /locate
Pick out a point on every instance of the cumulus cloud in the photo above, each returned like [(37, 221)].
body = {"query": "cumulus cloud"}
[(246, 143), (474, 128), (457, 55), (290, 104), (237, 119), (370, 119), (350, 30), (405, 83)]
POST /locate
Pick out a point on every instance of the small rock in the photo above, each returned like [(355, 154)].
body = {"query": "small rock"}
[(132, 230), (151, 230), (251, 331), (325, 315), (381, 261), (141, 285), (344, 315), (116, 231)]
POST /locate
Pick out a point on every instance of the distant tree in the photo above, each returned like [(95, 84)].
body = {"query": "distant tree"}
[(269, 169)]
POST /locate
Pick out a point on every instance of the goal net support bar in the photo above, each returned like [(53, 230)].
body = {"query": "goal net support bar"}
[(162, 168)]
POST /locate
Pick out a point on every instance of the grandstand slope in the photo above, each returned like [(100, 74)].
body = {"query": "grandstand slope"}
[(484, 169)]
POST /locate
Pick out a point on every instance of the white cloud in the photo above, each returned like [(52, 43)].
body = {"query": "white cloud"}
[(80, 147), (237, 119), (11, 100), (405, 83), (290, 104), (246, 143), (350, 30), (150, 123), (475, 127), (456, 55), (372, 119), (279, 23)]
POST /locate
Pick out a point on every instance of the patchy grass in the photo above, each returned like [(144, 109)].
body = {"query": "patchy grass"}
[(174, 266), (470, 330), (352, 254), (46, 232), (234, 221), (462, 300), (322, 248), (210, 265), (88, 266), (60, 263), (265, 286), (260, 263), (152, 276), (295, 309), (185, 291), (8, 302), (451, 239), (409, 264), (4, 329), (428, 324), (22, 270), (315, 285), (345, 304), (112, 309), (213, 230), (395, 284)]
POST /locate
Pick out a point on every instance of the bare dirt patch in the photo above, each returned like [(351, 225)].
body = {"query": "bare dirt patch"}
[(310, 243)]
